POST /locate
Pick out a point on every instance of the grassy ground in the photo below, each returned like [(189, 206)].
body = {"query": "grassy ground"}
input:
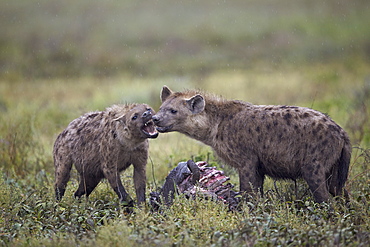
[(304, 53)]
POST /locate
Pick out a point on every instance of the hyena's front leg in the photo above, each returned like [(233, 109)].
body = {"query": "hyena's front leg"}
[(63, 167), (251, 181), (140, 181)]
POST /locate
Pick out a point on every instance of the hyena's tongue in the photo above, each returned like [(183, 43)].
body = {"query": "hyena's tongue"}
[(149, 128)]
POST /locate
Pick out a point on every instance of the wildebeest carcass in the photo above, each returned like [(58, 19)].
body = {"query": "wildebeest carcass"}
[(194, 179)]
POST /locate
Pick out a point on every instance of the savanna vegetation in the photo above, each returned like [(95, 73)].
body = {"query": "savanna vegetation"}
[(60, 59)]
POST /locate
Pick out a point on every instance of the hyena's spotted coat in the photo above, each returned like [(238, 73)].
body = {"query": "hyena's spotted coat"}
[(101, 145), (284, 142)]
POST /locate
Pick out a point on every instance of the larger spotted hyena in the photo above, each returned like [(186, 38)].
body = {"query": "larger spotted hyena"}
[(283, 142), (101, 145)]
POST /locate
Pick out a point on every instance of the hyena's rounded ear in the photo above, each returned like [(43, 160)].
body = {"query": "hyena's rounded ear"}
[(196, 104), (122, 119), (165, 93)]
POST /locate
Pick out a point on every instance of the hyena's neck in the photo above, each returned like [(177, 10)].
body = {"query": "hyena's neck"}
[(201, 128), (204, 126)]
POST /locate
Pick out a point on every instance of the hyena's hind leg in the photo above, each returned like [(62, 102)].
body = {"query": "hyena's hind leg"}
[(317, 182), (87, 185), (63, 167)]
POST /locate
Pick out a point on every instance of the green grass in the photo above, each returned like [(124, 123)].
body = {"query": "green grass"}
[(60, 59)]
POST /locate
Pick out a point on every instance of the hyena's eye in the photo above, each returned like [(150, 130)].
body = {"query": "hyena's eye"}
[(134, 117), (173, 111)]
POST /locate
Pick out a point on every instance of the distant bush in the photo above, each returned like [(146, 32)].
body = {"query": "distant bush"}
[(21, 152), (42, 39)]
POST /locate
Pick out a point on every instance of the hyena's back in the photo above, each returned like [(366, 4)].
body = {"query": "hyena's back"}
[(290, 136), (287, 142)]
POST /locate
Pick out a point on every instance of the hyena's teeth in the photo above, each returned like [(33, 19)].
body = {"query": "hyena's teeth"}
[(148, 123)]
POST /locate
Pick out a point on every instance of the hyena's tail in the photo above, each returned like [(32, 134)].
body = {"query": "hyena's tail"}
[(342, 168), (63, 165)]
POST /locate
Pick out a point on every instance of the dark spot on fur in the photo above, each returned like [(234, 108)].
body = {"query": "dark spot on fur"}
[(309, 168), (258, 129), (325, 142), (334, 128), (305, 115), (280, 137), (319, 127), (63, 134), (275, 123), (93, 115), (287, 118), (79, 130), (314, 132)]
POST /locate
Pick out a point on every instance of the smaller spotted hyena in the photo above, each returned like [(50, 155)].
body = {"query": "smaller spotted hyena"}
[(283, 142), (101, 145)]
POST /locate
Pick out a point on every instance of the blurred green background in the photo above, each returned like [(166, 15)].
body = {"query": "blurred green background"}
[(50, 38)]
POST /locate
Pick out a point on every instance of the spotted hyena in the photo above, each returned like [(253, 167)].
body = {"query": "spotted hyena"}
[(283, 142), (101, 145)]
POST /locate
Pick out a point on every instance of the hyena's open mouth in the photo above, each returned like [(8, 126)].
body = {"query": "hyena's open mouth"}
[(164, 129), (149, 129)]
